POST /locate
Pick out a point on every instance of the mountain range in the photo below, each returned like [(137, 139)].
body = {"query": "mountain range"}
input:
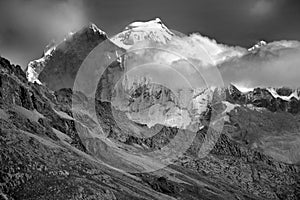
[(155, 142)]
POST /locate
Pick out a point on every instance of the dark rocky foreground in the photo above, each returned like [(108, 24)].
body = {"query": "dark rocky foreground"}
[(43, 157)]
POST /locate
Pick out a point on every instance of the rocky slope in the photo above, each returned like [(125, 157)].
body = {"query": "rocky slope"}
[(43, 157)]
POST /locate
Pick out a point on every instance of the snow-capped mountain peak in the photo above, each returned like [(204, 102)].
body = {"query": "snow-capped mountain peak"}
[(153, 31), (155, 23), (35, 67), (258, 45)]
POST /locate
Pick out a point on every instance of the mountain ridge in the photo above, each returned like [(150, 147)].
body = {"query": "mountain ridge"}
[(217, 54)]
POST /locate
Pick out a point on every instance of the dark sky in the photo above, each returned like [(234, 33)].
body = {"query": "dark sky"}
[(26, 26)]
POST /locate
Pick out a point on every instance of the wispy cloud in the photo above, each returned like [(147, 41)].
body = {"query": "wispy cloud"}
[(275, 65), (263, 7), (28, 23)]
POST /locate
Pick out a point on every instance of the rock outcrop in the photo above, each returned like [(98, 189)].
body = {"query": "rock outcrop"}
[(263, 98)]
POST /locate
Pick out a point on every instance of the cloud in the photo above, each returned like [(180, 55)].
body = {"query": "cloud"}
[(50, 18), (274, 65), (194, 47), (28, 23), (263, 7), (194, 57)]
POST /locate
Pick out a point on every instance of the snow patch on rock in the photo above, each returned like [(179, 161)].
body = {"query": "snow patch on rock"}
[(286, 98), (229, 106), (258, 45)]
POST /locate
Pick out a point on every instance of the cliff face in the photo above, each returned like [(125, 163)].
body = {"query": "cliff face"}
[(150, 104)]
